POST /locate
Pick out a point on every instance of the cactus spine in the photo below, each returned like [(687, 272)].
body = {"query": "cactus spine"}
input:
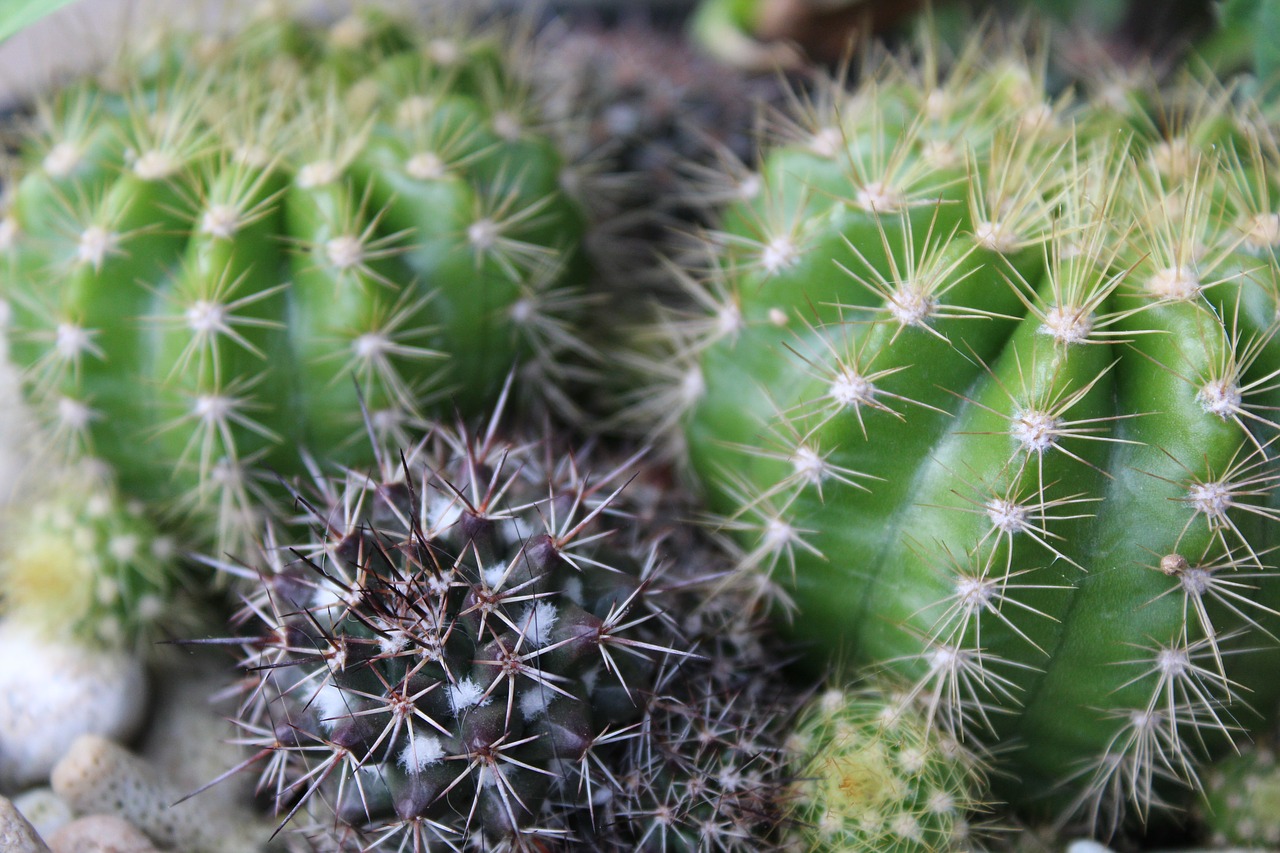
[(985, 383)]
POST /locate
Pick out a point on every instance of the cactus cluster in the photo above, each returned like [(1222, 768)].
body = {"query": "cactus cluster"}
[(491, 645), (985, 382), (223, 248)]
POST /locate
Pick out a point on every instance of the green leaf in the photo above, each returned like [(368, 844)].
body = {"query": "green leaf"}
[(17, 15)]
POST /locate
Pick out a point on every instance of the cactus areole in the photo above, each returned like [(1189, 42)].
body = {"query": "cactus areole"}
[(988, 385), (215, 248)]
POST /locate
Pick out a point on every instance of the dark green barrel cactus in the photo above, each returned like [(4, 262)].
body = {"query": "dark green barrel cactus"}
[(492, 647), (986, 383), (217, 252)]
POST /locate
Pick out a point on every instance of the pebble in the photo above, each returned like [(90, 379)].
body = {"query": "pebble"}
[(53, 691), (97, 776), (45, 809), (16, 834), (100, 834)]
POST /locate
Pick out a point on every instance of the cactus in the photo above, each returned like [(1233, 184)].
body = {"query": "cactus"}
[(1242, 799), (82, 562), (984, 382), (214, 249), (491, 646), (872, 775)]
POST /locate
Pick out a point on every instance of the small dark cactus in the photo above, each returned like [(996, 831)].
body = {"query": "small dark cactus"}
[(492, 647)]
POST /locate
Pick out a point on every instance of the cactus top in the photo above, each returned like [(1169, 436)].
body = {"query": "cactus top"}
[(220, 250)]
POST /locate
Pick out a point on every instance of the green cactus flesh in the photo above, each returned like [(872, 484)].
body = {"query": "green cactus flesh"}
[(987, 384), (487, 647), (212, 251)]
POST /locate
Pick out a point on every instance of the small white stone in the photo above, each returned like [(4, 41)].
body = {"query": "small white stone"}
[(97, 776), (100, 833), (349, 33), (53, 691), (45, 809)]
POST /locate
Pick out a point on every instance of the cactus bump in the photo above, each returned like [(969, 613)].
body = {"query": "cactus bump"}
[(983, 382), (225, 249)]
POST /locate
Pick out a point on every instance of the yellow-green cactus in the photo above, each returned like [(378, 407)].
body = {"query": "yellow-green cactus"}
[(873, 776)]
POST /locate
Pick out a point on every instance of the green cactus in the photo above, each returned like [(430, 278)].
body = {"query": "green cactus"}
[(1242, 799), (986, 384), (873, 776), (216, 250), (489, 647), (82, 562)]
